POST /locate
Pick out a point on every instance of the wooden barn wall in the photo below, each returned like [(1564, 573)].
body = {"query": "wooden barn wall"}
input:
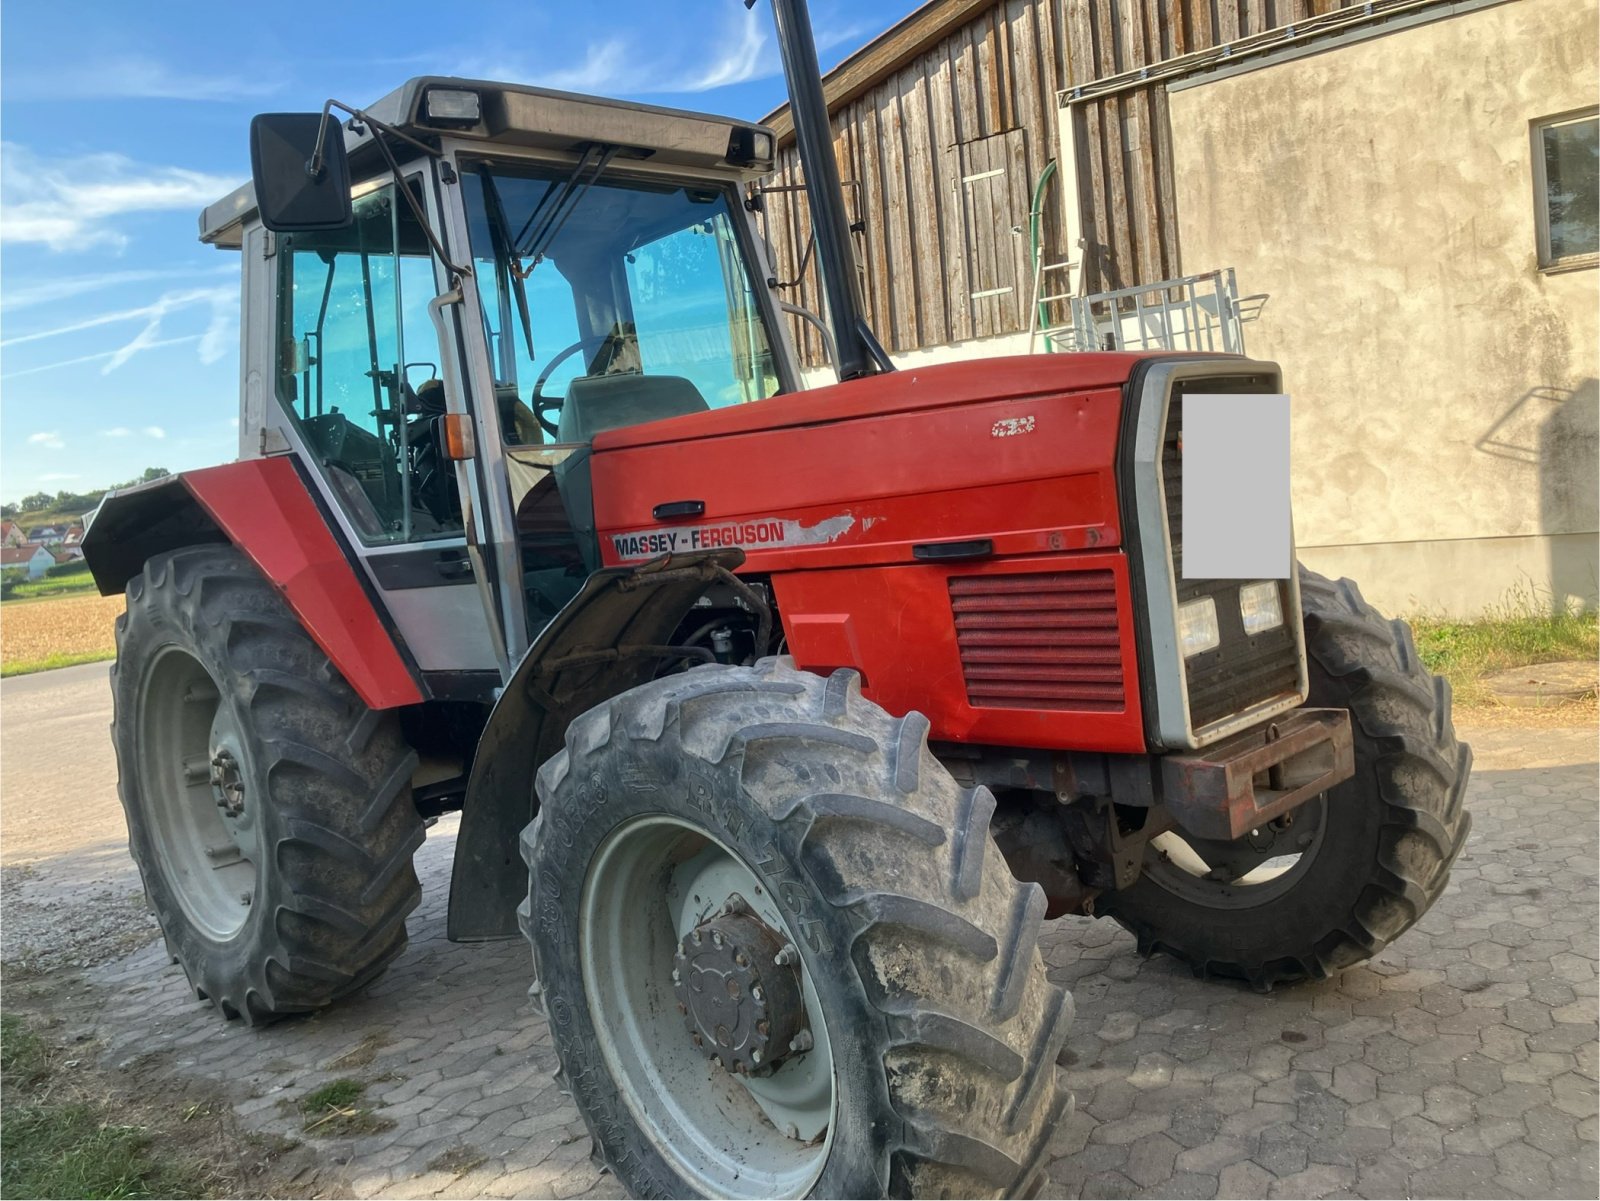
[(940, 160), (1126, 192)]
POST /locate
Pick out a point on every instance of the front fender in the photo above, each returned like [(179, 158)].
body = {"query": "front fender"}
[(266, 509), (598, 646)]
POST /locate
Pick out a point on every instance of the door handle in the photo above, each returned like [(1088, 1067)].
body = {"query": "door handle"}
[(679, 508)]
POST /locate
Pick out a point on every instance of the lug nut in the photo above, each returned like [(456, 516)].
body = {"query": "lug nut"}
[(736, 904), (790, 1130), (756, 994), (739, 958), (716, 938), (755, 1055), (716, 1061), (801, 1042), (786, 956), (697, 1040)]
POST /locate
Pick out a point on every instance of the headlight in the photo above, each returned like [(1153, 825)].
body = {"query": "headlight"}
[(1260, 607), (454, 106), (1197, 626)]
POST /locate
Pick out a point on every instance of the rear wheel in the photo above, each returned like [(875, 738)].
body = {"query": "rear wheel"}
[(780, 953), (268, 810), (1341, 877)]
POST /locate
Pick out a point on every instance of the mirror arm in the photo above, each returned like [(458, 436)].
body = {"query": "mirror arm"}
[(314, 168), (456, 270)]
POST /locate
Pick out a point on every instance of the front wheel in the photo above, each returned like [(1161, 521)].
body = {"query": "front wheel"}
[(780, 953), (268, 809), (1338, 879)]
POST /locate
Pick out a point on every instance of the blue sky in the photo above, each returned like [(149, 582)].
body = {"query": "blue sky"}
[(118, 330)]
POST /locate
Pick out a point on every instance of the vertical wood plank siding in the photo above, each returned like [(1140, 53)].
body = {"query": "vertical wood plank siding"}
[(941, 156)]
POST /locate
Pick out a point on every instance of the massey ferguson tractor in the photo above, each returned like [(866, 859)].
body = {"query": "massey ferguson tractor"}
[(778, 720)]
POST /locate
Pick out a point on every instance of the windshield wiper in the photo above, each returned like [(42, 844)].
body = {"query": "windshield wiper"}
[(598, 154), (505, 255)]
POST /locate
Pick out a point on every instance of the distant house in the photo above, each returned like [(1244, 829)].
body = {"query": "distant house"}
[(65, 553), (74, 534), (11, 534), (35, 560), (47, 535)]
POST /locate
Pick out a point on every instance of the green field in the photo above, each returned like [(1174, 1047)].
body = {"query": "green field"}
[(66, 580)]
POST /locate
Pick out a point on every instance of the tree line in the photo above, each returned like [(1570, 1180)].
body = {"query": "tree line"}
[(74, 502)]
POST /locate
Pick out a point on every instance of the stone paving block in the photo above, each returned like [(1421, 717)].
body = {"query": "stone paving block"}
[(1461, 1062), (1247, 1179)]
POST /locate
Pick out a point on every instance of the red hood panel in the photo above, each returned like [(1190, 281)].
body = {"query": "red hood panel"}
[(896, 392), (1019, 451)]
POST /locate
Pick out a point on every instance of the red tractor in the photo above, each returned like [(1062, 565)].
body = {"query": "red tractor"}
[(779, 720)]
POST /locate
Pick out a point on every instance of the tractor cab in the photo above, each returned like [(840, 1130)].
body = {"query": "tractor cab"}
[(462, 285)]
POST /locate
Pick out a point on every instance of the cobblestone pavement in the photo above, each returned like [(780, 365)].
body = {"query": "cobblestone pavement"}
[(1460, 1063)]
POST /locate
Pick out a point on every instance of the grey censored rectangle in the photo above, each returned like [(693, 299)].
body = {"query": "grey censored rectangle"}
[(1234, 451)]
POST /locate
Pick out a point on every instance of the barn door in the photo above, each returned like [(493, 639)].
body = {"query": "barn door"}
[(994, 186)]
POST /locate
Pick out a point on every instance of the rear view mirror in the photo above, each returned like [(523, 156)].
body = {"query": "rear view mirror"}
[(292, 192)]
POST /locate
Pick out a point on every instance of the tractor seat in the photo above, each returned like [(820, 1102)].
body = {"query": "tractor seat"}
[(596, 403)]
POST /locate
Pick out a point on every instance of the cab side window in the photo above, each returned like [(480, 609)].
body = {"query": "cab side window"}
[(353, 370)]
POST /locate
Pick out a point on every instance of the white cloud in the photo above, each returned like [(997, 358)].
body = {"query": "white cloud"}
[(740, 51), (214, 342), (121, 431), (54, 476), (70, 203), (135, 77), (737, 64), (50, 440), (153, 431), (65, 287), (603, 63), (95, 358)]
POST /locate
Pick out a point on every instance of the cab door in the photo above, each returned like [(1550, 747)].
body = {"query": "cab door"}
[(359, 391)]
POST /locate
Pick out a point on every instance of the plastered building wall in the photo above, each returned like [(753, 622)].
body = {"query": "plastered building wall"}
[(1443, 386)]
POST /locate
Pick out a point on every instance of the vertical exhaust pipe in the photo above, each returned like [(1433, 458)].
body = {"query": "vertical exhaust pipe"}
[(859, 352)]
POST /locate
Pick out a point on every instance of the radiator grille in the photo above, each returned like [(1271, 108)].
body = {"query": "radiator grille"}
[(1243, 670), (1046, 641)]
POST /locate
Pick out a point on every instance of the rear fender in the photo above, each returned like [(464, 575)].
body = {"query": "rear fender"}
[(597, 647), (263, 507)]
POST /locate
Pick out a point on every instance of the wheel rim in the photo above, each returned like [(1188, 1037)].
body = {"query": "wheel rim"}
[(193, 775), (1254, 870), (653, 885)]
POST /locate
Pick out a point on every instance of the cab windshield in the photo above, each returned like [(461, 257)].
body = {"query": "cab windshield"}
[(610, 301)]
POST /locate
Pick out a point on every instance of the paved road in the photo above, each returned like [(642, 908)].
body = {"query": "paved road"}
[(1461, 1063)]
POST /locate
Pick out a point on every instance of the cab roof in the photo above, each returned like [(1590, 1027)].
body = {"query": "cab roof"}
[(513, 114)]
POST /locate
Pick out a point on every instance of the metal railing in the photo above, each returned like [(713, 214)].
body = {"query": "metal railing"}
[(1196, 312)]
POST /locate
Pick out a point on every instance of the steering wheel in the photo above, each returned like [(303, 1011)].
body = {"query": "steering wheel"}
[(537, 401)]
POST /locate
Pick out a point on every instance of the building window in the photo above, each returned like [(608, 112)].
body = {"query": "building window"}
[(1566, 183)]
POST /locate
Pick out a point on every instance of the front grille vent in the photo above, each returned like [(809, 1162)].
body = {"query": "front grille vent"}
[(1045, 641)]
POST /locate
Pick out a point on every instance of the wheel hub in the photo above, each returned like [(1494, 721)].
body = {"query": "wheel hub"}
[(227, 782), (738, 988)]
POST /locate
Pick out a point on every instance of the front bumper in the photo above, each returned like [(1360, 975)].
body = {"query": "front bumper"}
[(1241, 783)]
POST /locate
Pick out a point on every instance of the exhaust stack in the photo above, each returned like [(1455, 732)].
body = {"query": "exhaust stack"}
[(859, 352)]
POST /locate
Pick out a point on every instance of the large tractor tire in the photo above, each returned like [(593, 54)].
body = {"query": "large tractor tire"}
[(1349, 872), (268, 809), (781, 954)]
